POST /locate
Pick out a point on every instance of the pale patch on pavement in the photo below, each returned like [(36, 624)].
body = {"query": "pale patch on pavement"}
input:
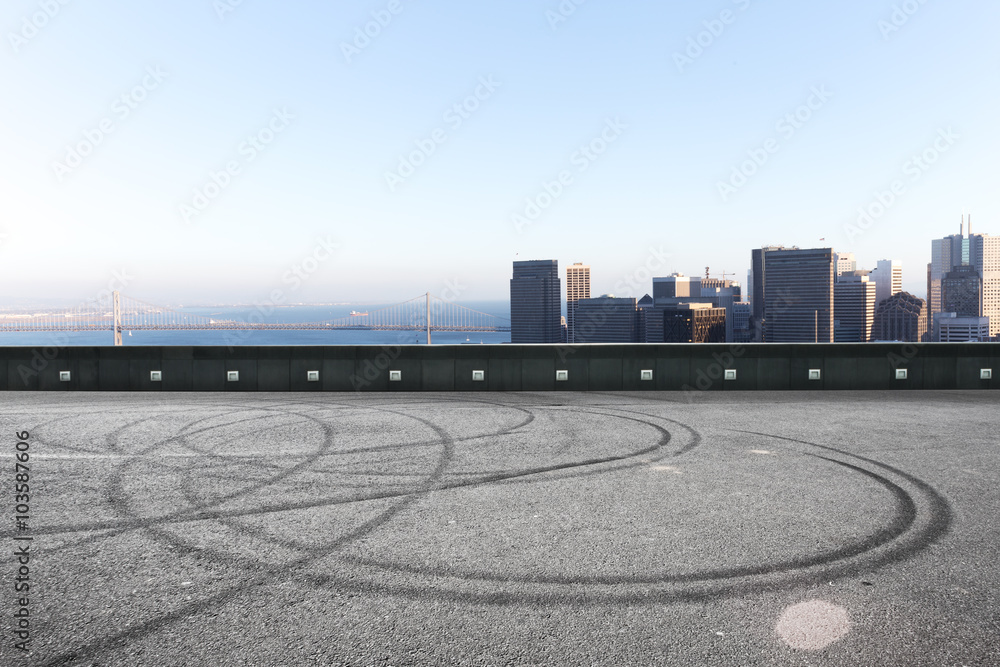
[(813, 625)]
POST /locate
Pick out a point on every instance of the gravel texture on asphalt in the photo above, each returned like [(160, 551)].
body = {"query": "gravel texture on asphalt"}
[(850, 528)]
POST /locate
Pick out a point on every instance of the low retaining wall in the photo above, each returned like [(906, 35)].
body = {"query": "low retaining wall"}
[(599, 367)]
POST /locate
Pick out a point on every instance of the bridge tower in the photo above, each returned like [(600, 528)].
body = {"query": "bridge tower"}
[(428, 295), (118, 318)]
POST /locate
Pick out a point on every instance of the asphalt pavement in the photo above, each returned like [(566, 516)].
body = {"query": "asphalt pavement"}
[(767, 528)]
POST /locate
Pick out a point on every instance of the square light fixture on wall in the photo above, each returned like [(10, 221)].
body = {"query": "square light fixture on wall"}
[(395, 376), (729, 374), (562, 376), (646, 375), (312, 376), (155, 376), (232, 376), (478, 376)]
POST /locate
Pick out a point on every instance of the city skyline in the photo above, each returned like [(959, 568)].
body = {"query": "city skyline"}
[(216, 152), (636, 284)]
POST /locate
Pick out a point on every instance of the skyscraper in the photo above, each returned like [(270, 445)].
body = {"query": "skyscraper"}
[(678, 288), (946, 254), (844, 262), (577, 287), (798, 295), (606, 319), (985, 256), (982, 253), (853, 307), (756, 294), (722, 294), (674, 286), (535, 308), (694, 323), (888, 279), (961, 289), (901, 317)]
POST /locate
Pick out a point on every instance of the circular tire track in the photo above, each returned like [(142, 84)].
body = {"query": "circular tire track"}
[(919, 516)]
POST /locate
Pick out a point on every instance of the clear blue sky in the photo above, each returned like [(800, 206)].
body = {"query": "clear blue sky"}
[(333, 113)]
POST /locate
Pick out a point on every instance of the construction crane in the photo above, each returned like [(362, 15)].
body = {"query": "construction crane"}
[(723, 274)]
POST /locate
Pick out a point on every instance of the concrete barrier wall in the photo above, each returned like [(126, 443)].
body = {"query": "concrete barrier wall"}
[(609, 367)]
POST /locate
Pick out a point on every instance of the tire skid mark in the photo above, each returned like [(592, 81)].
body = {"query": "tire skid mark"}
[(892, 543), (210, 514), (281, 571), (903, 518), (242, 528), (206, 513), (232, 523), (899, 538)]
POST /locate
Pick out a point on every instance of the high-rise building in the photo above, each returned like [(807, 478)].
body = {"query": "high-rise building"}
[(758, 280), (742, 332), (853, 308), (722, 294), (678, 288), (888, 279), (901, 317), (675, 286), (953, 329), (982, 253), (606, 319), (694, 323), (985, 251), (950, 256), (946, 254), (843, 262), (798, 295), (535, 303), (577, 287), (961, 289)]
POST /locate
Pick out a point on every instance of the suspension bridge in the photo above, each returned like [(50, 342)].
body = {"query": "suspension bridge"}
[(120, 313)]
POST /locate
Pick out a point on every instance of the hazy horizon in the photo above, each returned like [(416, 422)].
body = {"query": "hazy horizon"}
[(222, 152)]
